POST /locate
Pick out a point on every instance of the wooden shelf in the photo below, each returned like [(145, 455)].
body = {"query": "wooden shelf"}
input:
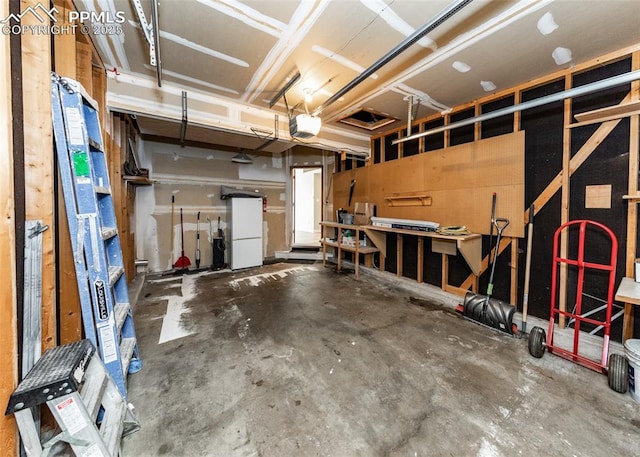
[(408, 200), (607, 114), (367, 251), (137, 180), (628, 293), (349, 248), (631, 197), (470, 246)]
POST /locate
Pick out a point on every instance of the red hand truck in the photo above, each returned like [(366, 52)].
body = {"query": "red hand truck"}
[(539, 341)]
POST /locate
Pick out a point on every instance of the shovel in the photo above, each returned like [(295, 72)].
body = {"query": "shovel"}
[(485, 309)]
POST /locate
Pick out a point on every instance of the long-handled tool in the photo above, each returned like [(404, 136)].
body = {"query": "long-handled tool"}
[(183, 261), (527, 272), (484, 308), (197, 256), (351, 186), (173, 204), (493, 221)]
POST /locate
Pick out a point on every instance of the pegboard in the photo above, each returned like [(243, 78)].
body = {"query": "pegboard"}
[(460, 180)]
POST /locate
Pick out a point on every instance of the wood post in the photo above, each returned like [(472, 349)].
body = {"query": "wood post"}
[(70, 327), (8, 328), (39, 160), (632, 210)]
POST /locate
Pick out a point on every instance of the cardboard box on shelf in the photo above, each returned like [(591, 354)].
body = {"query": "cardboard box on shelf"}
[(362, 213)]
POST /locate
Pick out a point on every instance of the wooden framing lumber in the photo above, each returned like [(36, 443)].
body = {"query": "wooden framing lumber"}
[(39, 171), (8, 323), (632, 209), (564, 205), (70, 326), (608, 113)]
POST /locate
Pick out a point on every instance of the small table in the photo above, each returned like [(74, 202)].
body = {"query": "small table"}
[(629, 293)]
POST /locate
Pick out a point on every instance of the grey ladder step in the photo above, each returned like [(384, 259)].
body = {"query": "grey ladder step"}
[(112, 426), (96, 380), (114, 274), (109, 232), (73, 382), (127, 346), (121, 312)]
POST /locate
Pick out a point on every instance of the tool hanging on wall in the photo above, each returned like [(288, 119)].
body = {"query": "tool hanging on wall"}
[(351, 186), (183, 261), (197, 255), (527, 271)]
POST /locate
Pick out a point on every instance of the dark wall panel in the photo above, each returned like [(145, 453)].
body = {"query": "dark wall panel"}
[(543, 127), (464, 134), (607, 165), (377, 146), (431, 265), (390, 150), (410, 256), (500, 125), (411, 147), (435, 141)]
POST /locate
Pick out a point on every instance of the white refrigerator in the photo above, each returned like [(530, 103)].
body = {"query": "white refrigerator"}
[(245, 232)]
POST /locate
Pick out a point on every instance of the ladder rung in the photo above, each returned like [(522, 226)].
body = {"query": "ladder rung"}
[(114, 274), (109, 232), (95, 144), (112, 424), (127, 345), (121, 311), (102, 190), (93, 389)]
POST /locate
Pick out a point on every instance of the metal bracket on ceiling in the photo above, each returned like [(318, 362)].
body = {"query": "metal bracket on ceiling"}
[(183, 126), (269, 139), (412, 111), (151, 34)]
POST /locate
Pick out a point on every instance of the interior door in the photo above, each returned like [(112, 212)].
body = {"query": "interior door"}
[(307, 205)]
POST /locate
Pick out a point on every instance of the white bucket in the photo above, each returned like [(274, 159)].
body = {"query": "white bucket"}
[(632, 351)]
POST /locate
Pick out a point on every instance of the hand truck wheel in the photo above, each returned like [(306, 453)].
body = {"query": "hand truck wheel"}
[(618, 372), (537, 342)]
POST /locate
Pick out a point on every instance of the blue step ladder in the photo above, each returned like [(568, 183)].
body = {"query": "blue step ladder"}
[(106, 312)]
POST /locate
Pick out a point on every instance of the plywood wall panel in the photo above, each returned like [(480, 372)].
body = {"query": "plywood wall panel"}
[(460, 180)]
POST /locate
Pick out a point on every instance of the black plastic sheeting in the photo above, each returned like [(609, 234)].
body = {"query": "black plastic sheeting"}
[(544, 129)]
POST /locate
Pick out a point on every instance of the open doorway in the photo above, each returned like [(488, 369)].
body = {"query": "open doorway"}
[(307, 206)]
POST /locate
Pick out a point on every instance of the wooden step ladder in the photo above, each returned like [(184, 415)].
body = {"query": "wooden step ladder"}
[(86, 403)]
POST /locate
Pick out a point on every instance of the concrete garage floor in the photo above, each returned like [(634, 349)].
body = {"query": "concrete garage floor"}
[(300, 360)]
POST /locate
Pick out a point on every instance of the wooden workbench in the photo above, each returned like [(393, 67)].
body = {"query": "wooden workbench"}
[(339, 246), (470, 246), (629, 293)]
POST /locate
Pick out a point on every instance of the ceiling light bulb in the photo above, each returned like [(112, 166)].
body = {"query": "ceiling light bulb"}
[(308, 95)]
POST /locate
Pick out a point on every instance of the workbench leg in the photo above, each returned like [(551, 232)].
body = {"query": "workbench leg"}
[(368, 260), (399, 255), (627, 322), (420, 260), (445, 271)]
